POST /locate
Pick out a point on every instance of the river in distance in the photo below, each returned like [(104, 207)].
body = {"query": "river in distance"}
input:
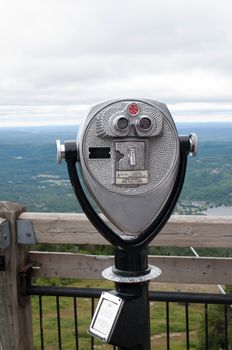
[(219, 211)]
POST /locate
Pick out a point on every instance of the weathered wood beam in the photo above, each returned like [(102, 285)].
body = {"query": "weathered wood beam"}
[(174, 269), (180, 231), (15, 317)]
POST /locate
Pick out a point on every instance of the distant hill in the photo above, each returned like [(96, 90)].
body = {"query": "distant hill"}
[(29, 172)]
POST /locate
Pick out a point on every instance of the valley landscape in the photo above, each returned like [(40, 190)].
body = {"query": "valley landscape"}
[(30, 175)]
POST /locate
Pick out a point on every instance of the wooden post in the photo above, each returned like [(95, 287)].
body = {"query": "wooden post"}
[(15, 319)]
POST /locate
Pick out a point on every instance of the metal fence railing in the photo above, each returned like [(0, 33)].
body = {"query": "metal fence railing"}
[(195, 308)]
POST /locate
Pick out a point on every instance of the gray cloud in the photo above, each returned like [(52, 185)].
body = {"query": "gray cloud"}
[(57, 54)]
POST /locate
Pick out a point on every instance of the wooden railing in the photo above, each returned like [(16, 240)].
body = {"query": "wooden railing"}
[(53, 228), (181, 231)]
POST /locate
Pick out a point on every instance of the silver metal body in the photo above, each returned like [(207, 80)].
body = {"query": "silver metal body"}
[(130, 171), (110, 275)]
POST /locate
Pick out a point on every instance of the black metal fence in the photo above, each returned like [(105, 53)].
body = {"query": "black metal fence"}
[(186, 301)]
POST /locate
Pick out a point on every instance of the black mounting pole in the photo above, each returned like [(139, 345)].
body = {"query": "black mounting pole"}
[(133, 331)]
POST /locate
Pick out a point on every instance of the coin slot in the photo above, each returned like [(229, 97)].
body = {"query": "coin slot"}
[(119, 156)]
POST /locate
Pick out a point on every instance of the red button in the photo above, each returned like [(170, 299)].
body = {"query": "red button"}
[(133, 109)]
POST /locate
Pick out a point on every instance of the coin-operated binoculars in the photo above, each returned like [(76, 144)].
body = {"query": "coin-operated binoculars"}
[(133, 163)]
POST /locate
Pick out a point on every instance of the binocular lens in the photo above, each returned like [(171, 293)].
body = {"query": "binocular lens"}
[(122, 123), (145, 123)]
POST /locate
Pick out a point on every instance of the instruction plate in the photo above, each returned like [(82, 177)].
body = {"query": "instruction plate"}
[(131, 177), (105, 316)]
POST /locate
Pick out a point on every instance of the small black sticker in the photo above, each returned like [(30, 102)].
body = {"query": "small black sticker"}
[(99, 152)]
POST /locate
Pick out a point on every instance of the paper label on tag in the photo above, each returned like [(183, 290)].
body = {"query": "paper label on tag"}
[(131, 177)]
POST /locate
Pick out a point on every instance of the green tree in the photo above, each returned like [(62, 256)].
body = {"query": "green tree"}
[(216, 327)]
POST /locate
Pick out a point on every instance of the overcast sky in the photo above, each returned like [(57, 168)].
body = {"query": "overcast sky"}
[(59, 57)]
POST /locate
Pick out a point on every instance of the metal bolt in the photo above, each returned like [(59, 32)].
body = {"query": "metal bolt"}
[(60, 151)]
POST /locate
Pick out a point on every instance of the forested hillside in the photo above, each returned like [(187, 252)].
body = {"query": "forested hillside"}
[(29, 172)]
